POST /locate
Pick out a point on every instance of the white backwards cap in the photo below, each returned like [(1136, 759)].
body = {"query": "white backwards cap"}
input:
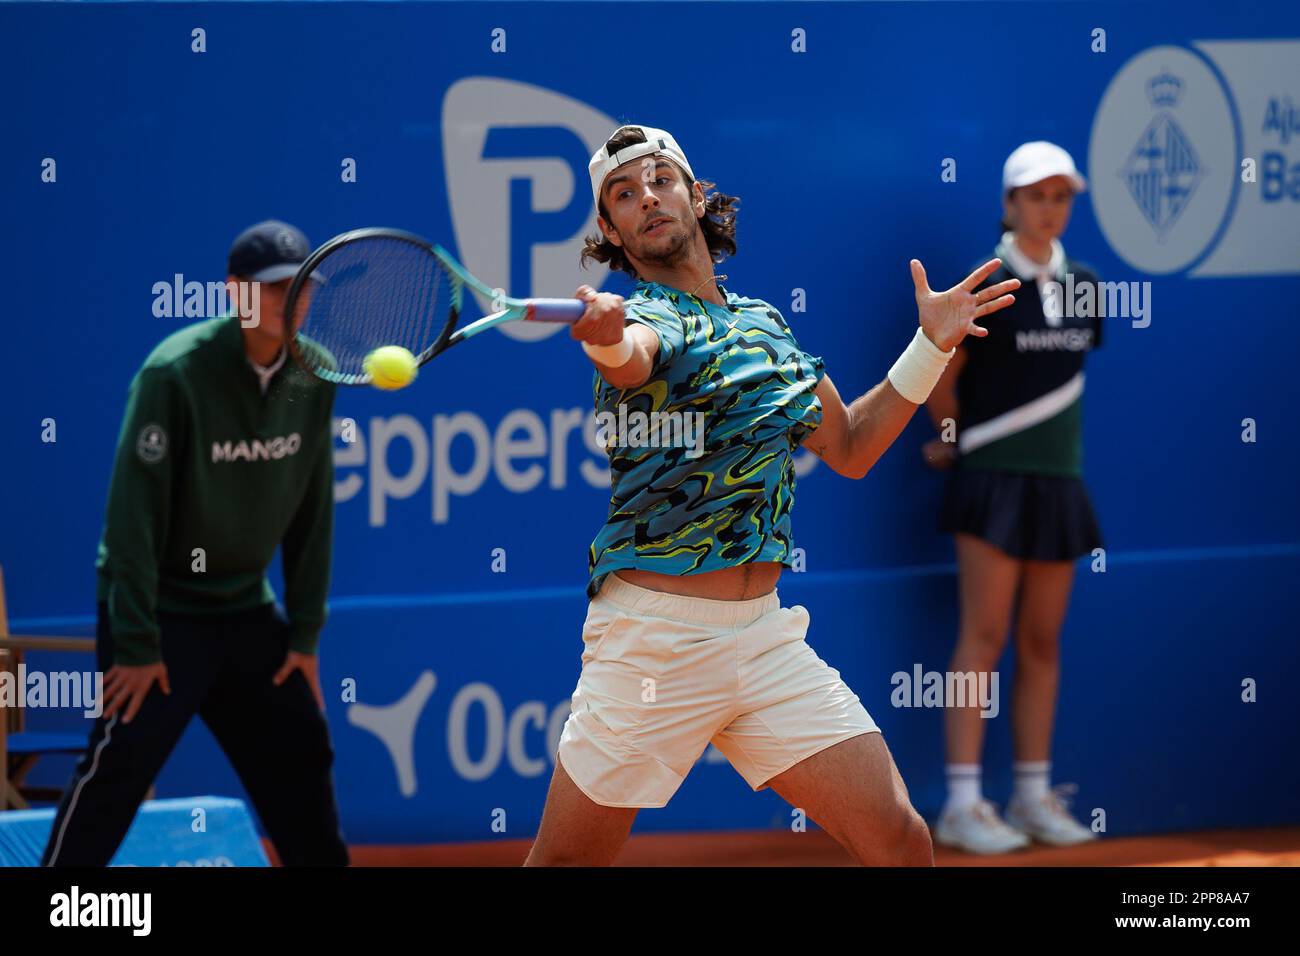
[(657, 141)]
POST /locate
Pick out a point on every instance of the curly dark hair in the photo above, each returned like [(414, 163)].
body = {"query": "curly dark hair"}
[(718, 223)]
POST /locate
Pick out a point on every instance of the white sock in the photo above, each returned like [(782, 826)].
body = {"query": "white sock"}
[(1032, 778), (963, 785)]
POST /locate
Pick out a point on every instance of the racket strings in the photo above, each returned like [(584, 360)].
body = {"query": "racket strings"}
[(377, 291)]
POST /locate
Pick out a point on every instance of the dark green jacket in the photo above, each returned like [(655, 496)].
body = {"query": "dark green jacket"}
[(210, 476)]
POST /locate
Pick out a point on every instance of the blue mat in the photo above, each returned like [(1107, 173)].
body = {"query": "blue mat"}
[(164, 833)]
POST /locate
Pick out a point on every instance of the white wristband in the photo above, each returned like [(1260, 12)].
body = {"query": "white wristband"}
[(611, 356), (918, 369)]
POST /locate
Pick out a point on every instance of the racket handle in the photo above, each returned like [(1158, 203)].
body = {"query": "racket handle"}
[(555, 310)]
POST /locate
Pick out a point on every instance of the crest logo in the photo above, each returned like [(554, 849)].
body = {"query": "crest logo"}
[(1163, 160), (151, 444), (288, 245), (1162, 172)]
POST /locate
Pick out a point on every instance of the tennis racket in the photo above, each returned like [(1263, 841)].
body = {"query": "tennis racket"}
[(375, 287)]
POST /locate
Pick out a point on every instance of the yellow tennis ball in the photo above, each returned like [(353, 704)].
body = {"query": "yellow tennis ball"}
[(390, 367)]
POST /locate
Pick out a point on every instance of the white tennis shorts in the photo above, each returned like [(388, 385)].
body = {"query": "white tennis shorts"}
[(665, 675)]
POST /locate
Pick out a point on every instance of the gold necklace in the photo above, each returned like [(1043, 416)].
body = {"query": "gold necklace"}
[(730, 320), (721, 278)]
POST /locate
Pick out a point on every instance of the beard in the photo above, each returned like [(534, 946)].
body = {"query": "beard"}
[(675, 252)]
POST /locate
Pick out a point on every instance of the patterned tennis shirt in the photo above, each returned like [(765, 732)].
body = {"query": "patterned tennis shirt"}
[(702, 455)]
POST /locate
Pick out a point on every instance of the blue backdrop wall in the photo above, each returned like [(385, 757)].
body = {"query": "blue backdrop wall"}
[(471, 124)]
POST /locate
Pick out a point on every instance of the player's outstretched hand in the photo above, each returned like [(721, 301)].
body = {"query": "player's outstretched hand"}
[(602, 323), (310, 667), (128, 687), (948, 317)]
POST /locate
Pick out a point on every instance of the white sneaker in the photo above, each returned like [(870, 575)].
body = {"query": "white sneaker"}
[(1048, 820), (977, 829)]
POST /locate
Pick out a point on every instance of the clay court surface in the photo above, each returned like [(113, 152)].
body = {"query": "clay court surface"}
[(1274, 847)]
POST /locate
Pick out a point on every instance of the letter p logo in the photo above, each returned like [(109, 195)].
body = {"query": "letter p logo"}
[(516, 165)]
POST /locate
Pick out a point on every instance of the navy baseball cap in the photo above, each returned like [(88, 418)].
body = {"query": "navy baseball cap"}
[(270, 251)]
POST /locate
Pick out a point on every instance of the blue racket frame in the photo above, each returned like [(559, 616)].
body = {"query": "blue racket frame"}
[(506, 308)]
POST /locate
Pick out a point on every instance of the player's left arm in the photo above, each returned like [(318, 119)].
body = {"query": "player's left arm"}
[(853, 437)]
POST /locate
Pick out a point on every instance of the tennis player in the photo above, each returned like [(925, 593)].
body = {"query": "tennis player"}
[(685, 640), (1016, 503), (225, 455)]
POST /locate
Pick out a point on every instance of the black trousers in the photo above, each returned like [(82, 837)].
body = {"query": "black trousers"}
[(220, 667)]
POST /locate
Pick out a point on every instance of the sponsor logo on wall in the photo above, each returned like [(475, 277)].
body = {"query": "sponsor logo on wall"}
[(1195, 159), (516, 159)]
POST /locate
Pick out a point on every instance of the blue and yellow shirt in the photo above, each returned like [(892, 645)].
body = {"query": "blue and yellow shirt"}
[(702, 455)]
